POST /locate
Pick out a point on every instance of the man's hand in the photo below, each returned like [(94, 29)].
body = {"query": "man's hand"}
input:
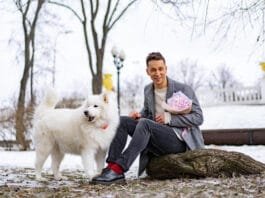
[(160, 118), (135, 115)]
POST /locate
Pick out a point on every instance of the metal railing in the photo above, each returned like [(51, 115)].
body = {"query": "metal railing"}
[(243, 95)]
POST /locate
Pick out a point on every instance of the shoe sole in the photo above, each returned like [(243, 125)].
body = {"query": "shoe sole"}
[(118, 181)]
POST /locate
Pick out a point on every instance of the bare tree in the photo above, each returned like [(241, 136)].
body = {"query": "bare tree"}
[(223, 78), (95, 38), (227, 16), (188, 72), (29, 11), (132, 93)]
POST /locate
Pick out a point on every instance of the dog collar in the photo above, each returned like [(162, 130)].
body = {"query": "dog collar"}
[(105, 126)]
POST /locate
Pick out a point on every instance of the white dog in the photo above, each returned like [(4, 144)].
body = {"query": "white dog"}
[(86, 131)]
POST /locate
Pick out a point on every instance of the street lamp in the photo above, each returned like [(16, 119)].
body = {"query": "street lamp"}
[(119, 57)]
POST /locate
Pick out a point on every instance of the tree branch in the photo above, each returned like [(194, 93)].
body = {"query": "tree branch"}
[(112, 13), (40, 3), (121, 14), (68, 7), (105, 24), (93, 28), (84, 23)]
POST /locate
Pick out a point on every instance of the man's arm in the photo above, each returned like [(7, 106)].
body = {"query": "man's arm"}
[(135, 115)]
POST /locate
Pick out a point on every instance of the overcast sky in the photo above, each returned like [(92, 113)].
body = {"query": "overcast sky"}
[(144, 29)]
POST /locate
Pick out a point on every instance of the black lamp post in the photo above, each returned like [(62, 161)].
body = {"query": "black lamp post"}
[(119, 57)]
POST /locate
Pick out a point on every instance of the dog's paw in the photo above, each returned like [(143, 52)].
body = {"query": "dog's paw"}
[(59, 177), (91, 176), (41, 179)]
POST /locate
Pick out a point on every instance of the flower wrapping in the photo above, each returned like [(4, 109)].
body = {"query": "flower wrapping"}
[(178, 103)]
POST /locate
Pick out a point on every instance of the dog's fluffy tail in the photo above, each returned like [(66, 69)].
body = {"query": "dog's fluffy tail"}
[(49, 101)]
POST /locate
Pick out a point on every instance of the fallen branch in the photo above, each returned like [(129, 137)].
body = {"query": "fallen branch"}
[(203, 163)]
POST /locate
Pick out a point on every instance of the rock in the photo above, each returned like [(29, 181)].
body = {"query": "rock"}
[(203, 163)]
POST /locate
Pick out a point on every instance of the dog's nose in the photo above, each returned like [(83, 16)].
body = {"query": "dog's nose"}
[(86, 113)]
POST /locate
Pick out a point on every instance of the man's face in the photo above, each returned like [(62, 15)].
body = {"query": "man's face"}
[(157, 71)]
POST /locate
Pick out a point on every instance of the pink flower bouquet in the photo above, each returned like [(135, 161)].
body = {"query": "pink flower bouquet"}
[(178, 103)]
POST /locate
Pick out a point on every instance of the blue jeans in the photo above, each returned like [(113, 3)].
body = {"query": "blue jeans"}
[(147, 135)]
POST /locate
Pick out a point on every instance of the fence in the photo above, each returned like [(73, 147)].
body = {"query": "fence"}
[(244, 95)]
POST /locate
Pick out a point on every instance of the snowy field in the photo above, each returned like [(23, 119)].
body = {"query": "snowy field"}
[(234, 116)]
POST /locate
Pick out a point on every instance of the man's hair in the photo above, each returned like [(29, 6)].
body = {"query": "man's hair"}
[(155, 56)]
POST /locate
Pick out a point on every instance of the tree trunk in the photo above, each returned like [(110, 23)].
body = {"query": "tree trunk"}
[(97, 83), (20, 127), (203, 163), (32, 96)]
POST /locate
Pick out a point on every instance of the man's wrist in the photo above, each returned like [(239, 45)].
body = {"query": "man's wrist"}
[(167, 116)]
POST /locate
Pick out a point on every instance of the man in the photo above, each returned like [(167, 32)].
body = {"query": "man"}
[(154, 132)]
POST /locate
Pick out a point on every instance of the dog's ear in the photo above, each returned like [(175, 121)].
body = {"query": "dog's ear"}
[(105, 98)]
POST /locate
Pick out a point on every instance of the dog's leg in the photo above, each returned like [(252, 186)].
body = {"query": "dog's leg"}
[(41, 156), (100, 160), (57, 157), (89, 163)]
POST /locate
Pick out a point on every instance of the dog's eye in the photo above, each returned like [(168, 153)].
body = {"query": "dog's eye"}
[(95, 106)]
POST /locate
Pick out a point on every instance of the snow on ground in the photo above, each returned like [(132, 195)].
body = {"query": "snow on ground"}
[(25, 159), (234, 116), (71, 162), (256, 152)]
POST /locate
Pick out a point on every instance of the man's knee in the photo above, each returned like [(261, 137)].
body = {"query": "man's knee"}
[(125, 119), (143, 122)]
